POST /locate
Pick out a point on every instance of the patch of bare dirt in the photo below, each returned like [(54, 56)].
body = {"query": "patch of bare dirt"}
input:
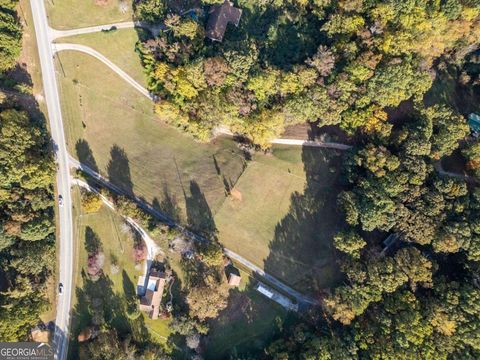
[(236, 194), (101, 2)]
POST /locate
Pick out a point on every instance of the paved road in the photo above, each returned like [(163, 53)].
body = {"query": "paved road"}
[(91, 29), (88, 50), (301, 299), (64, 224), (153, 28)]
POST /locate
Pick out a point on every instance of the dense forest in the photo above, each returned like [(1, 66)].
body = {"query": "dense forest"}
[(340, 63), (27, 232), (376, 70), (419, 298)]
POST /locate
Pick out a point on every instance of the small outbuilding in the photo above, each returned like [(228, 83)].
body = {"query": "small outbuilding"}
[(276, 296), (474, 123), (219, 17), (234, 279)]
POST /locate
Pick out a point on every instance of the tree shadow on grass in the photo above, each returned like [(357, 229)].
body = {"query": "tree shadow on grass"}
[(85, 154), (447, 89), (301, 252), (245, 326), (93, 243), (227, 183), (97, 305), (137, 324), (168, 205), (118, 169), (199, 215)]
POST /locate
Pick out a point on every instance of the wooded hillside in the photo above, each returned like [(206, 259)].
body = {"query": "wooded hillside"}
[(27, 231)]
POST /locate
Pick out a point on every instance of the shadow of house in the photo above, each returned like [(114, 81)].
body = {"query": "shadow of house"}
[(302, 252), (118, 169), (199, 215)]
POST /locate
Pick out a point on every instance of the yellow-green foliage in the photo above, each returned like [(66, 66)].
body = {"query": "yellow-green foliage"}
[(91, 202)]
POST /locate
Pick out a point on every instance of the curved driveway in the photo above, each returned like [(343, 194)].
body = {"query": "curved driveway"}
[(88, 30), (111, 65)]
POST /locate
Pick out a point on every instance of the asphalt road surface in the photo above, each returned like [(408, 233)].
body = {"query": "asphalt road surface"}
[(64, 224)]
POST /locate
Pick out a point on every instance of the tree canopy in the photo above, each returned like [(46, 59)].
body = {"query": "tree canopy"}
[(292, 61)]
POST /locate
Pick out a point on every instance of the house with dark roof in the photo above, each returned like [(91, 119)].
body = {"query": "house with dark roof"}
[(219, 17)]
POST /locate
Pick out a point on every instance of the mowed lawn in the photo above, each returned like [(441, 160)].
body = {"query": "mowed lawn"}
[(112, 127), (113, 289), (282, 215), (72, 14), (118, 46)]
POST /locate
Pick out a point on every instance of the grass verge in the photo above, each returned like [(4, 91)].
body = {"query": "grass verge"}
[(72, 14), (118, 46)]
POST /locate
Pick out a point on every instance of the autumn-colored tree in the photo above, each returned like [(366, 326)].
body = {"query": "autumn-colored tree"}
[(91, 202), (206, 302), (349, 242)]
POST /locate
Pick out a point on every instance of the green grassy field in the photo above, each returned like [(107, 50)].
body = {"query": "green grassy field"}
[(118, 46), (112, 127), (72, 14), (112, 290), (286, 216), (282, 217)]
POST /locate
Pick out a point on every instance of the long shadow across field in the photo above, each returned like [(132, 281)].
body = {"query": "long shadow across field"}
[(118, 169), (168, 205), (301, 252), (85, 154), (199, 214)]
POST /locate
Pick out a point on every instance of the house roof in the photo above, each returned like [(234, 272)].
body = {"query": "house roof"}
[(153, 296), (234, 279), (220, 16), (474, 122)]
